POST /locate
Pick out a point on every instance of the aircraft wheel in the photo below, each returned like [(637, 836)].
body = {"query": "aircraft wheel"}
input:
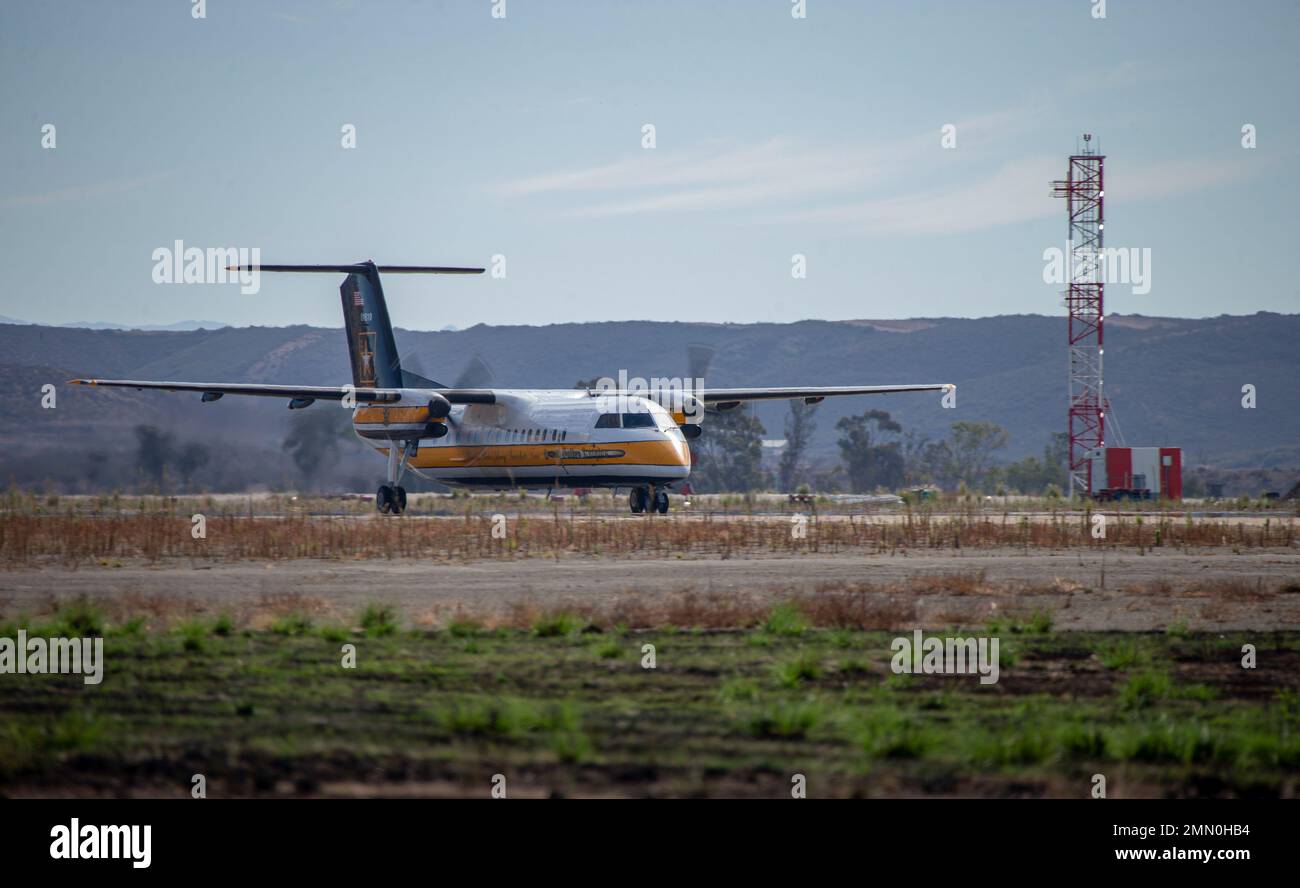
[(385, 499), (637, 500), (400, 501), (661, 502)]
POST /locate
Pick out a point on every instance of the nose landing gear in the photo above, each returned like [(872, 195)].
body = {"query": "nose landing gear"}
[(660, 502), (637, 499)]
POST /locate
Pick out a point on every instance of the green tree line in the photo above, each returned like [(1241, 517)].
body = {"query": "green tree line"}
[(875, 455)]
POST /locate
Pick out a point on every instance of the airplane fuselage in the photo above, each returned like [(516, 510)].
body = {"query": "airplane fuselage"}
[(535, 438)]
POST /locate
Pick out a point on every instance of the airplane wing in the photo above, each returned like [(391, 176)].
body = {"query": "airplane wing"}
[(213, 390), (719, 397)]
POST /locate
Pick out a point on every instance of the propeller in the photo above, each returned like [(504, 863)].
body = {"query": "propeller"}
[(413, 362), (698, 358), (477, 373)]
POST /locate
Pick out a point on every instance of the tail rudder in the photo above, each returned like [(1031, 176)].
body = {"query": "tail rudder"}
[(371, 347)]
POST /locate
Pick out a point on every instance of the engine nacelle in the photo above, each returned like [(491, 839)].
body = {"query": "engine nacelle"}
[(685, 408), (439, 408), (400, 422)]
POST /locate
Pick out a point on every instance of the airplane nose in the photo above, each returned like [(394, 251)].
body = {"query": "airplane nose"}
[(683, 452), (676, 452)]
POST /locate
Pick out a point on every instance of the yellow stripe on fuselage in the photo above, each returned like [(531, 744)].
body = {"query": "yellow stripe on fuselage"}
[(640, 453), (387, 415)]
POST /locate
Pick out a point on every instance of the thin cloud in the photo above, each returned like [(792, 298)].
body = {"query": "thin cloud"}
[(1174, 177), (1016, 192), (81, 192), (713, 166), (775, 172), (867, 188), (772, 173)]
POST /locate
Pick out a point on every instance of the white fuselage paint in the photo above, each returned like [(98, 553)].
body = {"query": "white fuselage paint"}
[(544, 438)]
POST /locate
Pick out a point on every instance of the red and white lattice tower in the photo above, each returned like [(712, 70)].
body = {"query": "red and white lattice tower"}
[(1084, 191)]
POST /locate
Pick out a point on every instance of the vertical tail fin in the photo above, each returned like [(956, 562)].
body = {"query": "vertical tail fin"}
[(371, 347)]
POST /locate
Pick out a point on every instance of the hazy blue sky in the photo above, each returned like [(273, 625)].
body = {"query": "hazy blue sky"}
[(522, 136)]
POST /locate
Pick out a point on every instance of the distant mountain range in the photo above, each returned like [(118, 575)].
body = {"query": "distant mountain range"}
[(104, 325), (1172, 381)]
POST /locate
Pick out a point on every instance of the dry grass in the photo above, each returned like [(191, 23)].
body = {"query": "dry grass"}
[(863, 606), (70, 539), (1235, 591)]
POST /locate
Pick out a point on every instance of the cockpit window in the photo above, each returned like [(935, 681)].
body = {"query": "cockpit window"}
[(639, 421), (607, 421)]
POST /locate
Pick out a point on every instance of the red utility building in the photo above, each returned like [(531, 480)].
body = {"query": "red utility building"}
[(1136, 473)]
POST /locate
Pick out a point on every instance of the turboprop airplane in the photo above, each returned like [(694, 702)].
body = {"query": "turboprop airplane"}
[(496, 438)]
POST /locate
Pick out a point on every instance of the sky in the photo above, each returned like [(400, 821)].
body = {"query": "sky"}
[(520, 142)]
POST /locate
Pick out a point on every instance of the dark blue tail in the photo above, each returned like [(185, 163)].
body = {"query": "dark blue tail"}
[(370, 334), (365, 318)]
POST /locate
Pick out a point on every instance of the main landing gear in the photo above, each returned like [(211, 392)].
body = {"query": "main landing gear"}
[(642, 499), (391, 496), (390, 500)]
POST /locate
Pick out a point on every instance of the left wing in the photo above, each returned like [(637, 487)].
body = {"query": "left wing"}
[(213, 390)]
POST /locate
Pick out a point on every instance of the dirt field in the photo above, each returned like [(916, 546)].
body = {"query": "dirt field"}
[(568, 707), (524, 657), (1207, 590)]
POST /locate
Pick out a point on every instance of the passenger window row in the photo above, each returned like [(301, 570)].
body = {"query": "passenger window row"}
[(510, 436), (529, 436)]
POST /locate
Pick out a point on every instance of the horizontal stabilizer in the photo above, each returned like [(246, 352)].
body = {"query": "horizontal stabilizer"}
[(361, 268)]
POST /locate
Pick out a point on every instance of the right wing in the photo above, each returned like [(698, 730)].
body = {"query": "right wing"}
[(811, 394)]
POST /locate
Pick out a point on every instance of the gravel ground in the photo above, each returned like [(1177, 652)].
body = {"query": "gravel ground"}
[(1083, 590)]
